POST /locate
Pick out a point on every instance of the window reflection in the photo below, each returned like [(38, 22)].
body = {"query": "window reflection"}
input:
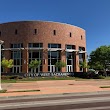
[(36, 54), (54, 45), (53, 57)]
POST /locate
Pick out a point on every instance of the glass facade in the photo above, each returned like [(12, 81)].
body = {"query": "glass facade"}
[(81, 57), (16, 55), (53, 57), (35, 51), (35, 45), (35, 54), (70, 59)]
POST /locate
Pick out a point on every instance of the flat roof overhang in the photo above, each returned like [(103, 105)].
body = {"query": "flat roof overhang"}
[(71, 50), (82, 51), (13, 49), (54, 49)]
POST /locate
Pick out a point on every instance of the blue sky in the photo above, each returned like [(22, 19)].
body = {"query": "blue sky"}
[(92, 15)]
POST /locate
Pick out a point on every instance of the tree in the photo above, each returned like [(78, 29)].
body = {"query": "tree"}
[(84, 65), (100, 58), (34, 64), (6, 64), (60, 64)]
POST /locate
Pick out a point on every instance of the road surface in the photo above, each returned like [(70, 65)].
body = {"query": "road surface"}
[(81, 101)]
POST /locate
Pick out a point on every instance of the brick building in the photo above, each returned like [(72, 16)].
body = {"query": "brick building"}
[(46, 41)]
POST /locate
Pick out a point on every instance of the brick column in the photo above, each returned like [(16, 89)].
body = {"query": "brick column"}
[(45, 57), (45, 61), (25, 60), (77, 60), (63, 58)]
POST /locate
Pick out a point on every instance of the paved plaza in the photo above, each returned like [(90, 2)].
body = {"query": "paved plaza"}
[(54, 87)]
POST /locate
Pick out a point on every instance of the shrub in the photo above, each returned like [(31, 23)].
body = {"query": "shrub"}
[(5, 77), (60, 64), (3, 91), (100, 77), (11, 77)]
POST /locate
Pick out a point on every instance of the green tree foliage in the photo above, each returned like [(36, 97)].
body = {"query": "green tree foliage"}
[(84, 65), (34, 64), (7, 64), (100, 58), (60, 64)]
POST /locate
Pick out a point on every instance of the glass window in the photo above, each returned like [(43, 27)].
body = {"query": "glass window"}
[(18, 62), (53, 61), (54, 32), (17, 45), (48, 54), (69, 55), (81, 37), (70, 46), (14, 62), (81, 49), (30, 45), (54, 45), (35, 55), (58, 54), (40, 68), (54, 54), (49, 68), (16, 54), (80, 56), (17, 57), (69, 62), (53, 57), (70, 34), (48, 61), (35, 31), (37, 45), (49, 45), (59, 45), (16, 31), (40, 44)]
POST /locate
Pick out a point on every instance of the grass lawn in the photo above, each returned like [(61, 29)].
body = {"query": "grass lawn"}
[(48, 78), (38, 79), (5, 91), (105, 87)]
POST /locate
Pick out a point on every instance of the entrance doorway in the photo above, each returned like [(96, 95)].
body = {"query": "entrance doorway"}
[(52, 68), (16, 69), (69, 62), (69, 68)]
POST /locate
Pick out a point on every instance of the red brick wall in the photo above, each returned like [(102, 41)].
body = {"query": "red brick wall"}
[(45, 35)]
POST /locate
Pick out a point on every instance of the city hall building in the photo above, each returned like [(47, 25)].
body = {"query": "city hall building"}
[(46, 41)]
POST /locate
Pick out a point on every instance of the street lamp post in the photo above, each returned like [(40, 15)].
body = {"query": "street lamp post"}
[(1, 42)]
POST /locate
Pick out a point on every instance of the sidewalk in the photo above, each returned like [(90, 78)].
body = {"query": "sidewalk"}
[(54, 87)]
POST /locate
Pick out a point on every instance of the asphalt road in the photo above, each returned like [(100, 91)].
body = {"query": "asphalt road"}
[(85, 101)]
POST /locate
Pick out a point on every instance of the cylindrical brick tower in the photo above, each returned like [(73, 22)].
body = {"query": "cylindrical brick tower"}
[(49, 42)]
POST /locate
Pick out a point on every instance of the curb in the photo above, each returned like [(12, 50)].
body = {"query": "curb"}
[(55, 95)]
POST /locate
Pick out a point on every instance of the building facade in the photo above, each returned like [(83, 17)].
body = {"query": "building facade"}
[(46, 41)]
